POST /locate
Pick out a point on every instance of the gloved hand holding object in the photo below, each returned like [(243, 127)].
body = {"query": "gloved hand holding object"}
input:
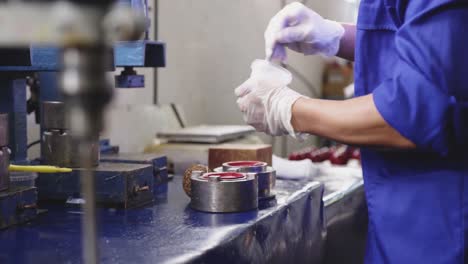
[(266, 101), (301, 29)]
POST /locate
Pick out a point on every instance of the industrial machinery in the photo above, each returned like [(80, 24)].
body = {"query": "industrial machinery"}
[(118, 184), (64, 60), (79, 40)]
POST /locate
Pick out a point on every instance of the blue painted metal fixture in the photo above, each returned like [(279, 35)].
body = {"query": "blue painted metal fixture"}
[(43, 62), (129, 78), (105, 147), (121, 185), (22, 62), (17, 204), (158, 163), (13, 102)]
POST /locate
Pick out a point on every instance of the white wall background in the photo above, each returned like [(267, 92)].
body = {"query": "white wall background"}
[(210, 45)]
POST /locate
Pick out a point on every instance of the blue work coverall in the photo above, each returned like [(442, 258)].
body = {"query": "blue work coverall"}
[(412, 55)]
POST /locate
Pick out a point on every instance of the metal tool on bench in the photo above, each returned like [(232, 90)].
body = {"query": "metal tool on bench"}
[(224, 192), (266, 175), (81, 33)]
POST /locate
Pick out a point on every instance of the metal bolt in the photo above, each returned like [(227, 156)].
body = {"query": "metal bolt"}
[(138, 189)]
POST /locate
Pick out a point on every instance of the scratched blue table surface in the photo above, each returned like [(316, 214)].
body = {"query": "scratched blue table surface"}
[(288, 229)]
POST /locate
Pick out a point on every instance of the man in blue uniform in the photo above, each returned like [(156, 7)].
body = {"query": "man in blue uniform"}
[(410, 115)]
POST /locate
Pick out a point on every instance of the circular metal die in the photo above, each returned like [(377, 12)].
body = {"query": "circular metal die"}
[(3, 130), (4, 172), (224, 192), (53, 116), (245, 166), (58, 149), (266, 182)]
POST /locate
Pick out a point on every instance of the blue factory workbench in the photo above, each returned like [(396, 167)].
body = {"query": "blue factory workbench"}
[(290, 230)]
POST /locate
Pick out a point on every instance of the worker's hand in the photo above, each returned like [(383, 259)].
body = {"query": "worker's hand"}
[(251, 106), (265, 100), (268, 111), (301, 29)]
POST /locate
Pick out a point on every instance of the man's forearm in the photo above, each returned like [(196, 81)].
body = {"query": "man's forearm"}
[(347, 42), (354, 121)]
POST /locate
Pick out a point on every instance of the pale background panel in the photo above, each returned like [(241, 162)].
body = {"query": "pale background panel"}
[(210, 45)]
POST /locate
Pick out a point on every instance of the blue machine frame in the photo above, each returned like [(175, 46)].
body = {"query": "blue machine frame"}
[(45, 60), (19, 63)]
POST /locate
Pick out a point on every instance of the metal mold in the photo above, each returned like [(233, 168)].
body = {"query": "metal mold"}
[(266, 175), (53, 116), (59, 149), (58, 146), (266, 183), (56, 149), (224, 192)]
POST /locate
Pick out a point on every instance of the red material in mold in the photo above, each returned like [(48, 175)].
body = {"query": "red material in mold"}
[(225, 176)]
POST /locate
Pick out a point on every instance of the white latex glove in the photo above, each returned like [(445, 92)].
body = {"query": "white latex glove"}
[(265, 100), (301, 29), (269, 111)]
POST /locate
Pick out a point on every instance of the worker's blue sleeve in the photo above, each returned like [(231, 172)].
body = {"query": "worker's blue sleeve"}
[(426, 99)]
